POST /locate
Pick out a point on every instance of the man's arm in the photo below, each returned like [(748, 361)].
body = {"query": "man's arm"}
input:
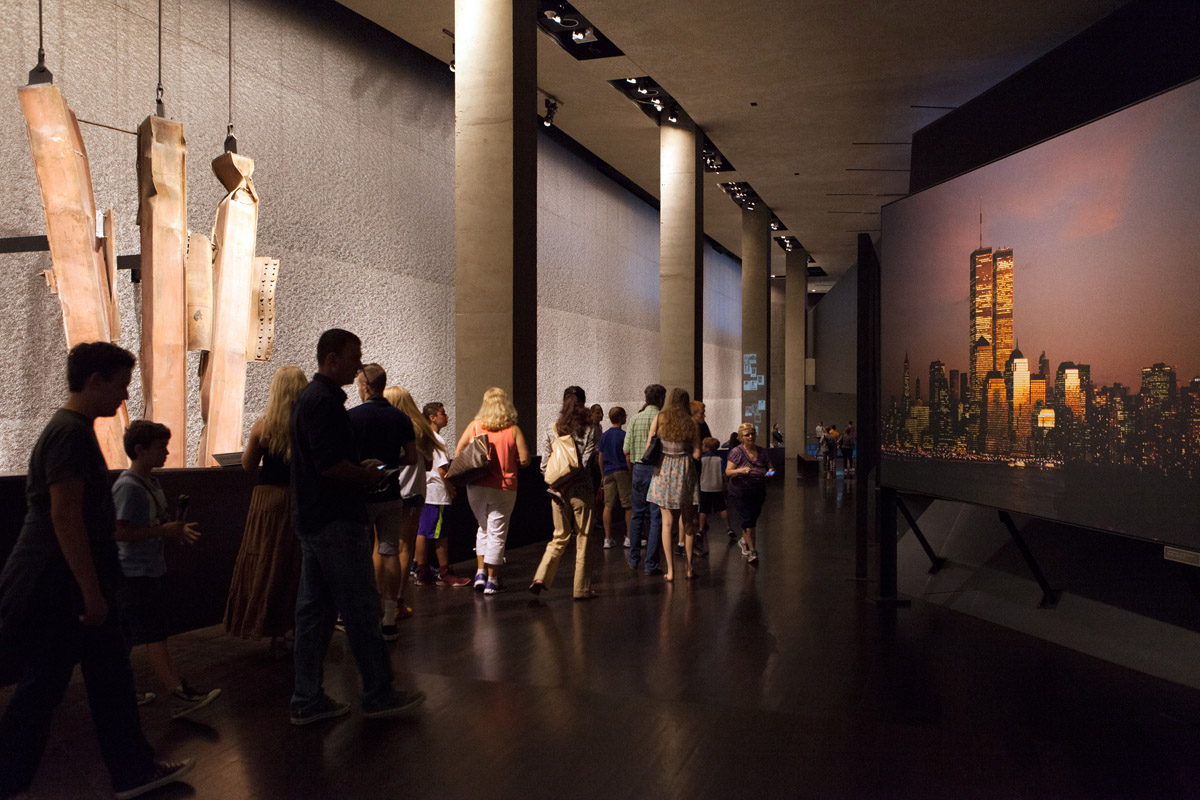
[(365, 474), (66, 515)]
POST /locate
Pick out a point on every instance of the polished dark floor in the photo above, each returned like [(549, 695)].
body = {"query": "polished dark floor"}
[(780, 681)]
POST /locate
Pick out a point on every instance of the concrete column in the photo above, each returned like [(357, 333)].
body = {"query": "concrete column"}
[(756, 314), (495, 204), (681, 257), (795, 425)]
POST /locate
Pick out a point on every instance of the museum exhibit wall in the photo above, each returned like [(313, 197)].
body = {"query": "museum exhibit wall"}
[(1122, 601), (352, 135), (835, 344), (722, 342)]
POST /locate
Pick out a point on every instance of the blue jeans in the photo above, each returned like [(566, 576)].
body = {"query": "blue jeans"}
[(644, 512), (336, 574)]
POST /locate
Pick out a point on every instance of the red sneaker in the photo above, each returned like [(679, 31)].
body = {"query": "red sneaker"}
[(446, 577), (425, 576)]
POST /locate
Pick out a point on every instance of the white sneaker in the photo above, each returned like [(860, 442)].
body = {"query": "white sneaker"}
[(626, 542), (753, 557), (745, 548), (609, 544)]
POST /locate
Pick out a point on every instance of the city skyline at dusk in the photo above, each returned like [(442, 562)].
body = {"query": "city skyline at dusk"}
[(1098, 229)]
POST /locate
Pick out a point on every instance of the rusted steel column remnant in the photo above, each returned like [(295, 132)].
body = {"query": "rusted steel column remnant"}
[(162, 216), (85, 288), (235, 293)]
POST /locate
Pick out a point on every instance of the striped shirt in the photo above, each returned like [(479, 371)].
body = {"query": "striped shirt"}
[(638, 433)]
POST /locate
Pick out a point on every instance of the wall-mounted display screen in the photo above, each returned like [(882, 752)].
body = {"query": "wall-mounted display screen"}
[(1041, 328)]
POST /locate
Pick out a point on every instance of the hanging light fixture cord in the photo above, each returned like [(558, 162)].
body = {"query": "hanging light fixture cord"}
[(40, 74), (158, 95), (230, 139)]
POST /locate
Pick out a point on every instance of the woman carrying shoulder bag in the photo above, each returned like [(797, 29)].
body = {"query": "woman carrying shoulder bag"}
[(571, 505), (493, 496)]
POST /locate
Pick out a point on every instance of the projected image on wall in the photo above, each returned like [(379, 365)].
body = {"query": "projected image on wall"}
[(1041, 351)]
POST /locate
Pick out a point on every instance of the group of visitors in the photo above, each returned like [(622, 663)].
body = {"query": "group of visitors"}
[(344, 508), (830, 443)]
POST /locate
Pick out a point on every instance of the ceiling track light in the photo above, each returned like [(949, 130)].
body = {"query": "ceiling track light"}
[(674, 115), (551, 110)]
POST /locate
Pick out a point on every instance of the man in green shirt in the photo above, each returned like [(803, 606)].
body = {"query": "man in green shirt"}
[(644, 512)]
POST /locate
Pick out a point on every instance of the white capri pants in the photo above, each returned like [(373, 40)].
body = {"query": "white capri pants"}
[(492, 508)]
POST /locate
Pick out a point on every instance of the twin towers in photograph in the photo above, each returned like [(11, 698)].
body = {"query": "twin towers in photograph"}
[(1007, 407)]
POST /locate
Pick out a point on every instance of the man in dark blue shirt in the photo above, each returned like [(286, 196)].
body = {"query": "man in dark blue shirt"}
[(328, 491), (384, 432)]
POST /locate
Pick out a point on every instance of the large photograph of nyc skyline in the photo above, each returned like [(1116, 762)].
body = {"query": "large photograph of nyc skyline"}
[(1041, 328)]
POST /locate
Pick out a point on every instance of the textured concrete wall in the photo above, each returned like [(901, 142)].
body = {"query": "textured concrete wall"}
[(597, 288), (778, 342), (352, 137), (722, 342)]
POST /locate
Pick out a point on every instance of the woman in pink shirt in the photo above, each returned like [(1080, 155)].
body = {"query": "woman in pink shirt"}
[(493, 496)]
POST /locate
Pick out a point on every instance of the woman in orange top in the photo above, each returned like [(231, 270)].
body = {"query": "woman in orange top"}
[(493, 496)]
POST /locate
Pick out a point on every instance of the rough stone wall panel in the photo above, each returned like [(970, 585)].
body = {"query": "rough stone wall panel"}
[(722, 342), (597, 288)]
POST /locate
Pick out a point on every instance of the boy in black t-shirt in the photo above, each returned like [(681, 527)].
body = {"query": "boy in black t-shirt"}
[(57, 589)]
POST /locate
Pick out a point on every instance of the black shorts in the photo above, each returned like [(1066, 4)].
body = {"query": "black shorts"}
[(712, 502), (143, 607)]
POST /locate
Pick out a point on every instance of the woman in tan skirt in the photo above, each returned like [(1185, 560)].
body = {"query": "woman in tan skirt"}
[(262, 595)]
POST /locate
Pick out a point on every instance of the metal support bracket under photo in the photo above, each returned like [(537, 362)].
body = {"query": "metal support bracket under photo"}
[(1049, 595)]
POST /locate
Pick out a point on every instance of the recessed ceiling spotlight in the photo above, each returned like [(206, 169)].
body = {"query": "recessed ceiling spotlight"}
[(631, 80)]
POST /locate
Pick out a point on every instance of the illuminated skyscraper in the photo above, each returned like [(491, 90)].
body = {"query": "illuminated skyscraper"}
[(1066, 376), (995, 418), (1158, 416), (1037, 389), (1022, 406), (1044, 370), (941, 430), (1073, 393), (982, 309), (917, 424), (906, 399), (955, 400), (1002, 305)]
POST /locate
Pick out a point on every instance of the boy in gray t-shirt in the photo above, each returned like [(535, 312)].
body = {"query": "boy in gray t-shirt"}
[(142, 526)]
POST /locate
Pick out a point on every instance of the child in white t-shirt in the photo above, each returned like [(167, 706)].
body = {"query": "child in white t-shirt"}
[(439, 494), (712, 485)]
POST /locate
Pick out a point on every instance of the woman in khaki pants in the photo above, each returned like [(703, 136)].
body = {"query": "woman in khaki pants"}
[(571, 506)]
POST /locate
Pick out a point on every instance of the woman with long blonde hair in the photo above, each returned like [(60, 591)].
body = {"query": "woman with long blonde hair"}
[(412, 481), (493, 496), (266, 576), (674, 481)]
